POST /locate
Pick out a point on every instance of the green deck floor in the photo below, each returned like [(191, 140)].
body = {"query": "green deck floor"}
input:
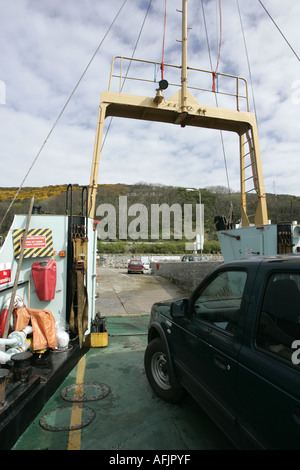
[(130, 417)]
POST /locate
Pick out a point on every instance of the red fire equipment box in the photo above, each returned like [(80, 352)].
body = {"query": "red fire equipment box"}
[(44, 278)]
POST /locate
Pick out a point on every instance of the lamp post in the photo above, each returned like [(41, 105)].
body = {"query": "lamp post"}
[(199, 243)]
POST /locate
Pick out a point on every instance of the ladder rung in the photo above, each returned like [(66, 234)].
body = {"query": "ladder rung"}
[(246, 141), (248, 166), (246, 154), (251, 203)]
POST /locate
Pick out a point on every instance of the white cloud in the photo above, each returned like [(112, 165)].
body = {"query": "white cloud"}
[(45, 46)]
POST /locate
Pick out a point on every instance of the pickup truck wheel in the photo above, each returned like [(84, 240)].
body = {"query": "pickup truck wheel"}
[(157, 371)]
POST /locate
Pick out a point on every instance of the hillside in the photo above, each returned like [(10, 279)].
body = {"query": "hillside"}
[(216, 200)]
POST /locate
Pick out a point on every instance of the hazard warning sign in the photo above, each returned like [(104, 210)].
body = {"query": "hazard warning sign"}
[(39, 243)]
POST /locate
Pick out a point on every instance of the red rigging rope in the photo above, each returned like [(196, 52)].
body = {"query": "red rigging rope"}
[(164, 38), (219, 54)]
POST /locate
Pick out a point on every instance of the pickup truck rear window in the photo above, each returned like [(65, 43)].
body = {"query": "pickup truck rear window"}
[(279, 325)]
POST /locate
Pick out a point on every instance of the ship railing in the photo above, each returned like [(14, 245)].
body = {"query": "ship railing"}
[(220, 89)]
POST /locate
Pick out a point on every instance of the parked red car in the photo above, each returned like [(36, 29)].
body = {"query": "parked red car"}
[(135, 266)]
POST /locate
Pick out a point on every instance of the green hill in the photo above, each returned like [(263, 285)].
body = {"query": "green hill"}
[(217, 201)]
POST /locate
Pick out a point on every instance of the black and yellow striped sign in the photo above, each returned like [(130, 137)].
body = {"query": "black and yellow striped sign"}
[(39, 243)]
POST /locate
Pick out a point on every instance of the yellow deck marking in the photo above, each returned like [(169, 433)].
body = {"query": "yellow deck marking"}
[(75, 435)]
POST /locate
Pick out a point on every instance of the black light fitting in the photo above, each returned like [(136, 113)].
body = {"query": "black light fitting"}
[(163, 84)]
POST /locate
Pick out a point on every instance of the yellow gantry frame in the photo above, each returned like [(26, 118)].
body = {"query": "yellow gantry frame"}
[(183, 109)]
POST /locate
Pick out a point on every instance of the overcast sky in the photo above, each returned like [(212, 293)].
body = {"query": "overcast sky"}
[(45, 45)]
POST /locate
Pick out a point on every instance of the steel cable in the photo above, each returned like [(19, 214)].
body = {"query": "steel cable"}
[(61, 113)]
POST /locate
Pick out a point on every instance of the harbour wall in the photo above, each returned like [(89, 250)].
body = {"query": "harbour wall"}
[(188, 275)]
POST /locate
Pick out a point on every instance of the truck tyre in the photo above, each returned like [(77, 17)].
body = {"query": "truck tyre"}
[(157, 372)]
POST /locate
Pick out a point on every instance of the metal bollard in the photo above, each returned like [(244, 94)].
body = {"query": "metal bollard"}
[(22, 367), (3, 374)]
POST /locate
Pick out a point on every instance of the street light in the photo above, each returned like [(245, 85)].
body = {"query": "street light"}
[(200, 243)]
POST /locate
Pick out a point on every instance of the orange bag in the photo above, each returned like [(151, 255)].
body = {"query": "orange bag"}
[(43, 325)]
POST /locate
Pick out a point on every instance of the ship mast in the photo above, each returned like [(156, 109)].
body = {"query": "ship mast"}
[(184, 57)]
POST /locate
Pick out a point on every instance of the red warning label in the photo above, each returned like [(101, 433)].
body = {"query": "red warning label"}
[(5, 273), (35, 242)]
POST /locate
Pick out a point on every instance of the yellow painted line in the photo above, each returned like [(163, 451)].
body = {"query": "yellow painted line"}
[(75, 435)]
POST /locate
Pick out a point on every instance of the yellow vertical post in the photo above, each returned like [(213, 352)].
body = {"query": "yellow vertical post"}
[(244, 217), (96, 159), (261, 215)]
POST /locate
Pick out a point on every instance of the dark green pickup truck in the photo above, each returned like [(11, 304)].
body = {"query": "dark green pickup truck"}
[(234, 345)]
